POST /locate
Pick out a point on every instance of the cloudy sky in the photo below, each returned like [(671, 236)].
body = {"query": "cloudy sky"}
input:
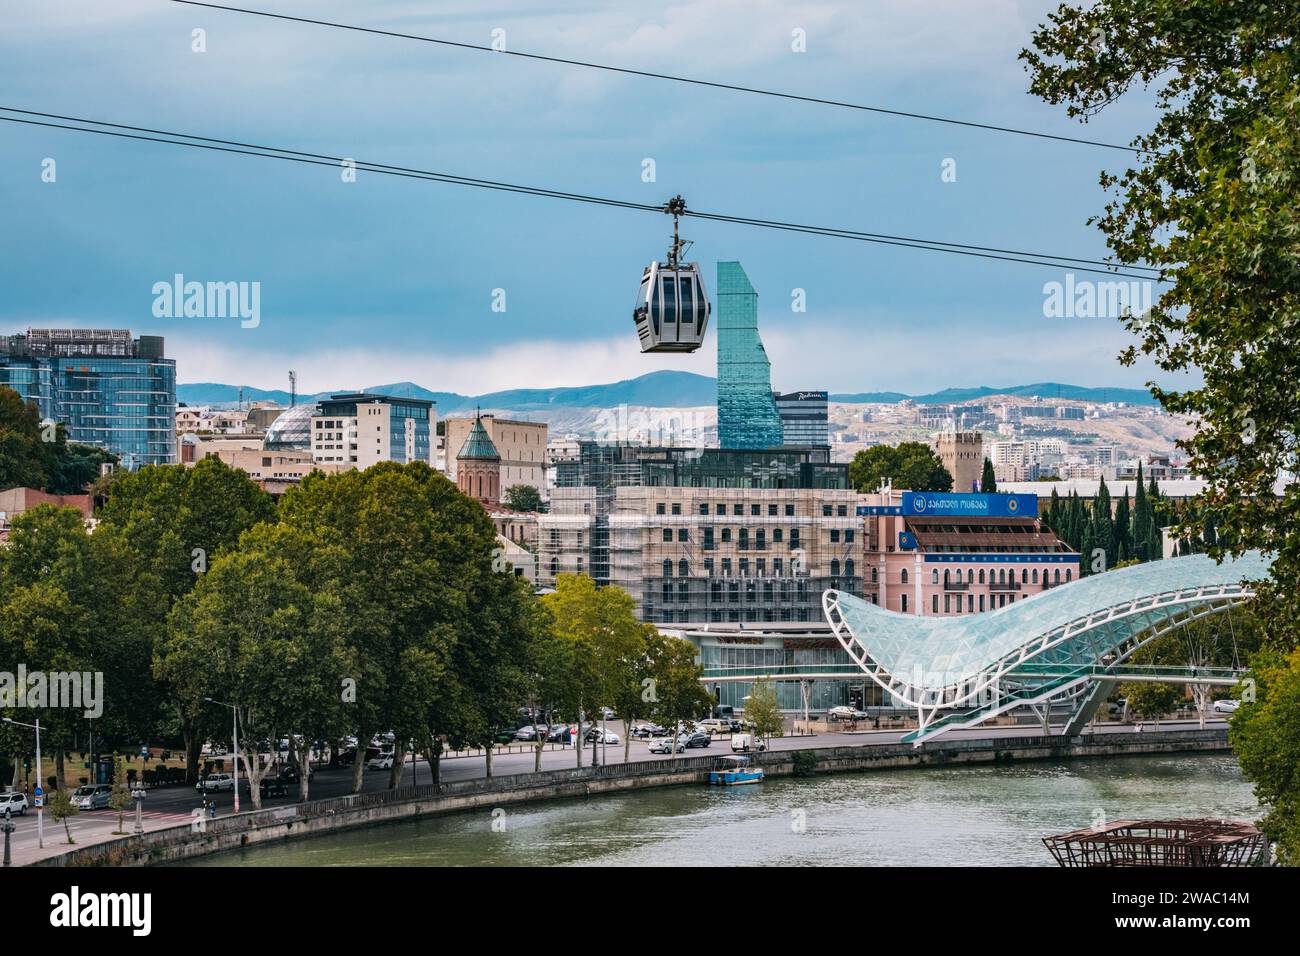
[(390, 279)]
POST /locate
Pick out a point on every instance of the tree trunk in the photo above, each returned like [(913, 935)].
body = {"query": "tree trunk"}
[(537, 754), (435, 762), (189, 732), (253, 773), (303, 765), (399, 757), (577, 741), (487, 759), (359, 764), (58, 768)]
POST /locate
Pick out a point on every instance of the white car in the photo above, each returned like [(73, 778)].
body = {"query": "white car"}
[(609, 737), (381, 762), (92, 798), (664, 745), (846, 713), (14, 803), (216, 782), (1228, 706)]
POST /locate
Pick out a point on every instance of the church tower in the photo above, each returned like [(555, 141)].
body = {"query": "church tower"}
[(478, 465)]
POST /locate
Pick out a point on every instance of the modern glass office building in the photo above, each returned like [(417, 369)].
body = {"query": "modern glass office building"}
[(106, 388), (747, 412)]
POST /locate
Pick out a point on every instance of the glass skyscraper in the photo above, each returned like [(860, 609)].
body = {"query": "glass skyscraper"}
[(747, 412), (106, 388)]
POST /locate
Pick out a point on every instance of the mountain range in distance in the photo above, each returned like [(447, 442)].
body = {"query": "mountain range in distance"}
[(664, 389)]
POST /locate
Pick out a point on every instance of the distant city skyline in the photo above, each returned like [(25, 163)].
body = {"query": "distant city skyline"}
[(389, 279)]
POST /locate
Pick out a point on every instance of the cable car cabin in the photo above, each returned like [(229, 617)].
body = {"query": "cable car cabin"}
[(672, 308)]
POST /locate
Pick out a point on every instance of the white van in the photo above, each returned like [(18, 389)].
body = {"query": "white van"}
[(743, 743)]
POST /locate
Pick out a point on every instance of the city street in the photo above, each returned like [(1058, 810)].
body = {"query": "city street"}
[(175, 805)]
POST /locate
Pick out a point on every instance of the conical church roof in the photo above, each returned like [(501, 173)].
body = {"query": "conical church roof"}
[(478, 446)]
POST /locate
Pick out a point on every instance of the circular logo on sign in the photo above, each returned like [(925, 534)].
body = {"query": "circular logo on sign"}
[(1012, 504), (918, 503)]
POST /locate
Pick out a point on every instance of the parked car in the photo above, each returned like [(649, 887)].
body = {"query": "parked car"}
[(14, 803), (743, 743), (1228, 706), (664, 745), (560, 734), (698, 738), (531, 732), (215, 783), (603, 736), (608, 714), (381, 762), (846, 713), (94, 797), (716, 725), (647, 730)]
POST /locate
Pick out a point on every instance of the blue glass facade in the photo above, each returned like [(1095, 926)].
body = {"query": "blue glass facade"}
[(747, 412), (105, 388)]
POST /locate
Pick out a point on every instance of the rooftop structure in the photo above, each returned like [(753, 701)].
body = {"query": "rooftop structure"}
[(1191, 843)]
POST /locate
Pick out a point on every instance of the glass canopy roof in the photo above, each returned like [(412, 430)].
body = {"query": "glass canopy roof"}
[(934, 652)]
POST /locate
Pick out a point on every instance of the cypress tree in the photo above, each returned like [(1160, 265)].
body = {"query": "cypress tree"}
[(1122, 546), (1141, 532), (988, 483), (1103, 533)]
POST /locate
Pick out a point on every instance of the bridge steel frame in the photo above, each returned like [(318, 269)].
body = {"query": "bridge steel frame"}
[(1083, 650)]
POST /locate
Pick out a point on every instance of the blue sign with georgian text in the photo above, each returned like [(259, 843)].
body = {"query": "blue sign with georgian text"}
[(918, 504)]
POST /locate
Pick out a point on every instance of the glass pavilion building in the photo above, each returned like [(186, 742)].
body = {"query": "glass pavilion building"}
[(106, 388)]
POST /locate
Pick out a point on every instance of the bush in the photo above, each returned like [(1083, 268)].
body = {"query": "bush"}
[(805, 763)]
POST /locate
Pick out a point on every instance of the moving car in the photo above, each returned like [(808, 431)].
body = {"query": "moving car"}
[(742, 743), (605, 736), (647, 730), (697, 739), (1228, 706), (664, 745), (14, 803), (290, 774), (93, 797), (274, 787), (382, 762), (846, 713), (214, 782)]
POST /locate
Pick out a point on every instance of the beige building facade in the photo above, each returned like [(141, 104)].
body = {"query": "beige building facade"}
[(521, 445)]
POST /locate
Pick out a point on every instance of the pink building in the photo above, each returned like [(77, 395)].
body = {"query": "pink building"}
[(944, 554)]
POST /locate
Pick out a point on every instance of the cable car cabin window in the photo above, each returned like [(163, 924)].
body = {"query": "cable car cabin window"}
[(670, 299), (656, 304), (687, 298)]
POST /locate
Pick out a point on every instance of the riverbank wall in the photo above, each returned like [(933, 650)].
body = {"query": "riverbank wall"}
[(292, 821)]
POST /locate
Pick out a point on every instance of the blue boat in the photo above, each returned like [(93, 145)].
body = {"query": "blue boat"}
[(731, 771)]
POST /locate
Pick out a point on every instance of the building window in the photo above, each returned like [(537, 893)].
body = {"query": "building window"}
[(875, 577), (904, 603), (726, 534), (934, 576), (934, 604), (904, 578), (659, 508), (704, 507), (683, 534), (1067, 575), (776, 535), (981, 603), (668, 534), (683, 569), (835, 535), (981, 578), (835, 567), (771, 511), (668, 568), (848, 568), (842, 511), (677, 508), (789, 511), (848, 535), (826, 511)]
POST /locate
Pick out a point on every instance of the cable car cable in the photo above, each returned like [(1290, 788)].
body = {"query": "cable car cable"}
[(320, 159), (733, 87)]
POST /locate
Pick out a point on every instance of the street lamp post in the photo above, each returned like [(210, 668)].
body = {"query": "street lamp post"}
[(234, 741), (138, 794), (40, 791), (8, 828)]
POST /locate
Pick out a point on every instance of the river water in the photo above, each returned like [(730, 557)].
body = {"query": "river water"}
[(961, 816)]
